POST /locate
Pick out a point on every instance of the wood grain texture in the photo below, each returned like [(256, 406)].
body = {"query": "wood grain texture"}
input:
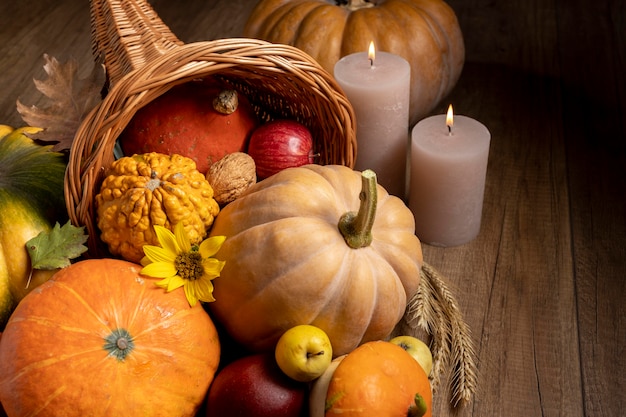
[(542, 286), (593, 62)]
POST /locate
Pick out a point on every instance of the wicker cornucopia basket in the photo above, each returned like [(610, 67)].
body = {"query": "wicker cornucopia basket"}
[(143, 60)]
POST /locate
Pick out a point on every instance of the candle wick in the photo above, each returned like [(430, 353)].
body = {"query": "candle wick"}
[(371, 62), (449, 130)]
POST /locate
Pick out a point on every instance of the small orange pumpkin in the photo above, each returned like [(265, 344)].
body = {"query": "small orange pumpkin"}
[(99, 339), (379, 379)]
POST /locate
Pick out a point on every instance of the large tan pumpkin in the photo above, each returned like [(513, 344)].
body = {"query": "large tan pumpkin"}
[(288, 263), (98, 339), (425, 32)]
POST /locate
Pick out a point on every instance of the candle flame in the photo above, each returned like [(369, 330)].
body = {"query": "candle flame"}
[(371, 53), (450, 118)]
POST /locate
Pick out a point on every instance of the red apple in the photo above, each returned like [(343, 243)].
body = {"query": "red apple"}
[(184, 121), (255, 386), (280, 144)]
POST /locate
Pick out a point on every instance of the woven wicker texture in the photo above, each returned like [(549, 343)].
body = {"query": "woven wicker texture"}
[(144, 60), (128, 34)]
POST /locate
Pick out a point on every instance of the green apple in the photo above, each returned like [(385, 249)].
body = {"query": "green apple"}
[(303, 352), (416, 348)]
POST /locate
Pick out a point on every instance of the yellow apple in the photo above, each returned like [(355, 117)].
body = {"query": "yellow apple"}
[(303, 352), (416, 348)]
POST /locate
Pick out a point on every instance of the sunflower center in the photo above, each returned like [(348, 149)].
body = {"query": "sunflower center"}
[(189, 265)]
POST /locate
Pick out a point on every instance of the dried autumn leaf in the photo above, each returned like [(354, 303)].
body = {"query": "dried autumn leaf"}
[(70, 100)]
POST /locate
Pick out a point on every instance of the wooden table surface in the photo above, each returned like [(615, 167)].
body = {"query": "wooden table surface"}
[(543, 286)]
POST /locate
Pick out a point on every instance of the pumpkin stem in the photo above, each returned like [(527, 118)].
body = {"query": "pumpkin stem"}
[(226, 102), (355, 4), (119, 344), (418, 408), (356, 228)]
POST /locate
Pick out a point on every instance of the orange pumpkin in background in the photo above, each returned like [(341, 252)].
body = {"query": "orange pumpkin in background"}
[(99, 339), (379, 379), (424, 32)]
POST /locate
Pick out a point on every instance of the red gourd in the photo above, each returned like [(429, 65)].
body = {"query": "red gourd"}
[(201, 119)]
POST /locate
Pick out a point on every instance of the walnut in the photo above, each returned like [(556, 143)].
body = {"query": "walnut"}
[(231, 176)]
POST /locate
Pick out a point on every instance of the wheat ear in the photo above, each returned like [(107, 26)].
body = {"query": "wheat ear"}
[(433, 309)]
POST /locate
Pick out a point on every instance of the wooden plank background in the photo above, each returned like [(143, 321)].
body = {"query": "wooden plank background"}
[(542, 287)]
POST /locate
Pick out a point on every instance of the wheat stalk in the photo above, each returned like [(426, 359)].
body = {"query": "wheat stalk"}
[(464, 380), (439, 328), (434, 310)]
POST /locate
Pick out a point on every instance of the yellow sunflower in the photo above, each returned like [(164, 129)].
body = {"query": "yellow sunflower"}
[(182, 264)]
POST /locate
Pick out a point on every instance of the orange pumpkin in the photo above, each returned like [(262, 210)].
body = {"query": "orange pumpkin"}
[(424, 32), (293, 257), (99, 339), (379, 379)]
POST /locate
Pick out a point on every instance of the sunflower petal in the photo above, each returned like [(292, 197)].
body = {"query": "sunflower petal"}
[(175, 282), (204, 290), (191, 295), (163, 283), (212, 267), (181, 237), (167, 239), (159, 270), (158, 254), (211, 246)]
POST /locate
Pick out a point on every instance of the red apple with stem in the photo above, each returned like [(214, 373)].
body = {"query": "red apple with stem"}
[(280, 144)]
